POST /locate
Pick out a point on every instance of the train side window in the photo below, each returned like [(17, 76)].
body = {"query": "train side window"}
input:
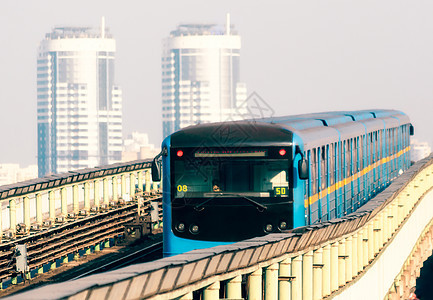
[(361, 150), (314, 173), (341, 159), (347, 149), (332, 163), (323, 168), (380, 144)]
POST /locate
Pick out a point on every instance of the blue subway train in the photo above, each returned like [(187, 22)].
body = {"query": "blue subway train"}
[(226, 182)]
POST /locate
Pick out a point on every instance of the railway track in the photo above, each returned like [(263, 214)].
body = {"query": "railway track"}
[(49, 248), (142, 255)]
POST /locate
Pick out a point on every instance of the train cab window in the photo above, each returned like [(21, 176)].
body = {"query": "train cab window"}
[(252, 177)]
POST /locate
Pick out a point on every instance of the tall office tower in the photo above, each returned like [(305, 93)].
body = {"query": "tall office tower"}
[(200, 75), (79, 105)]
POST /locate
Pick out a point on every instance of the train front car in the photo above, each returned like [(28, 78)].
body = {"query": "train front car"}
[(226, 182)]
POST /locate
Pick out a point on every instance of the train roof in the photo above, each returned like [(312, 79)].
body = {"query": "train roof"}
[(315, 137), (350, 130), (238, 133), (314, 129)]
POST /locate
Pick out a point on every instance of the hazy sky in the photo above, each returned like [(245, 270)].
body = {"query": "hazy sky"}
[(299, 56)]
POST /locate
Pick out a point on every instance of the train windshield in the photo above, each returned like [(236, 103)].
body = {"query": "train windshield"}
[(202, 177)]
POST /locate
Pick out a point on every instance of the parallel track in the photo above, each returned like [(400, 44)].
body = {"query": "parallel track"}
[(60, 240), (142, 255)]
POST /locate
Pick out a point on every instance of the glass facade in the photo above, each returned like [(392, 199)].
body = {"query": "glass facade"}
[(200, 76), (79, 106)]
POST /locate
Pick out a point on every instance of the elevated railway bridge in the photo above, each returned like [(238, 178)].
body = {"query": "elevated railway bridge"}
[(373, 253)]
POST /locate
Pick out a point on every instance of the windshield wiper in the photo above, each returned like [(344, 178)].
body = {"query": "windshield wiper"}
[(258, 205)]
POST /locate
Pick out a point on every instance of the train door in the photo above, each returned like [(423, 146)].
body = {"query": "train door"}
[(361, 169), (373, 162), (355, 185), (363, 166), (323, 203), (307, 187), (328, 179), (388, 155), (313, 203), (349, 163), (333, 181), (369, 164), (339, 181)]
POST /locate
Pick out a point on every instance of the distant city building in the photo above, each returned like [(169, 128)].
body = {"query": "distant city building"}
[(419, 150), (13, 173), (200, 75), (79, 105), (137, 146)]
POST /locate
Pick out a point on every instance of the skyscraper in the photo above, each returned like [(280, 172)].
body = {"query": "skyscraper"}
[(79, 106), (200, 75)]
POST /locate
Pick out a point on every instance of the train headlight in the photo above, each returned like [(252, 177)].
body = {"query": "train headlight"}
[(194, 229), (269, 227), (180, 227), (283, 225)]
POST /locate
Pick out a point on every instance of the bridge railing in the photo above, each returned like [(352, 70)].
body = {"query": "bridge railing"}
[(30, 204), (324, 260)]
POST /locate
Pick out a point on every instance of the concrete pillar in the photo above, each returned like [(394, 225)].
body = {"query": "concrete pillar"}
[(147, 180), (342, 262), (12, 216), (234, 288), (334, 267), (106, 191), (348, 260), (39, 209), (271, 282), (297, 280), (307, 276), (122, 185), (370, 241), (326, 272), (115, 188), (376, 234), (255, 285), (87, 196), (285, 285), (155, 186), (317, 273), (26, 204), (140, 180), (365, 246), (387, 224), (96, 193), (75, 199), (394, 209), (132, 185), (64, 201), (52, 205), (355, 255)]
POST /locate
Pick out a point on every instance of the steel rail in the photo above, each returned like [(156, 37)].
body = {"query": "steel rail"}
[(123, 261), (62, 240)]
